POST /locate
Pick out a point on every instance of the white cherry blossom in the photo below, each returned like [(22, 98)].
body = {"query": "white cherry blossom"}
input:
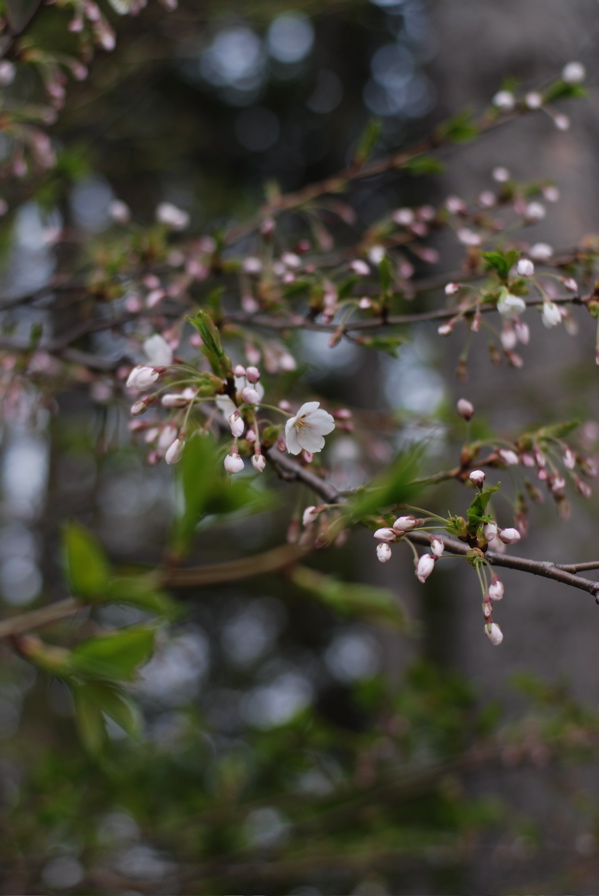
[(142, 377), (306, 430), (509, 305), (158, 351)]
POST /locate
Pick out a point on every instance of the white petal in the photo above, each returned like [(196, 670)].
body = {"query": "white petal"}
[(310, 440), (291, 439), (159, 352), (322, 422), (308, 408)]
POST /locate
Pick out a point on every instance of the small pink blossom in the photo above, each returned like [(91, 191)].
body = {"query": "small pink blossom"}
[(452, 288), (171, 216), (236, 425), (490, 531), (359, 267), (508, 457), (525, 267), (259, 462), (306, 430)]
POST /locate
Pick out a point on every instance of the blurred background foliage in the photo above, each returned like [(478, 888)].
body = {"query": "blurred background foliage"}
[(283, 745)]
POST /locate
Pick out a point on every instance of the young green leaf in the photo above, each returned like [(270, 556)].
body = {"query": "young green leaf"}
[(87, 568), (116, 655)]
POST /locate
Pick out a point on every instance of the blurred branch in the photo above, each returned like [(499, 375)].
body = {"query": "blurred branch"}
[(25, 622)]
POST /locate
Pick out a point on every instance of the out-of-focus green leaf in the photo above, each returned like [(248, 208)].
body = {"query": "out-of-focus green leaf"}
[(87, 568), (205, 489), (564, 91), (459, 129), (388, 344), (141, 591), (425, 165), (116, 655), (351, 599), (212, 346), (395, 486), (96, 699), (367, 141)]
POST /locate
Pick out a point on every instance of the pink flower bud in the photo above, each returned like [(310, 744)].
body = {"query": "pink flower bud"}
[(573, 73), (496, 589), (424, 567), (233, 463), (465, 408), (569, 459), (452, 288), (494, 633), (142, 377), (259, 462), (310, 515), (251, 436), (385, 534), (490, 531), (175, 451), (445, 330), (477, 477), (140, 407), (239, 370), (508, 457), (403, 523), (359, 267), (570, 284), (525, 267), (236, 425), (250, 395), (252, 374), (509, 536), (504, 100), (487, 609), (437, 547), (383, 552), (174, 400)]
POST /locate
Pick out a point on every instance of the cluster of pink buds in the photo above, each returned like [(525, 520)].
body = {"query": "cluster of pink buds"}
[(495, 592), (389, 534)]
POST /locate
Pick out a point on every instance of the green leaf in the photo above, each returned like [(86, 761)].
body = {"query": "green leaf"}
[(205, 489), (386, 273), (89, 719), (476, 512), (350, 599), (87, 569), (367, 141), (141, 591), (564, 91), (96, 699), (212, 346), (559, 430), (116, 655), (387, 344), (395, 486), (501, 262), (424, 165), (459, 129)]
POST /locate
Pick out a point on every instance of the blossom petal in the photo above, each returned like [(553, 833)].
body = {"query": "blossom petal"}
[(310, 440), (308, 408), (322, 421), (291, 439)]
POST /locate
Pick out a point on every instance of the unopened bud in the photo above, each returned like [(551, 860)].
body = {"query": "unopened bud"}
[(259, 462), (493, 633), (252, 374), (385, 534), (404, 523), (239, 370), (525, 267), (496, 590), (437, 547), (250, 395), (310, 515), (509, 536), (175, 451), (142, 377), (424, 567), (233, 463), (236, 425), (477, 477), (465, 408), (508, 457), (383, 552)]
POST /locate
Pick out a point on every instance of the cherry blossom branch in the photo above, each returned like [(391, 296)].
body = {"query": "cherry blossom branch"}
[(548, 569), (360, 171)]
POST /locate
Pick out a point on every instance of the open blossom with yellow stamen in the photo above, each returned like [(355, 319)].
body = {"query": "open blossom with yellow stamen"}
[(305, 431)]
